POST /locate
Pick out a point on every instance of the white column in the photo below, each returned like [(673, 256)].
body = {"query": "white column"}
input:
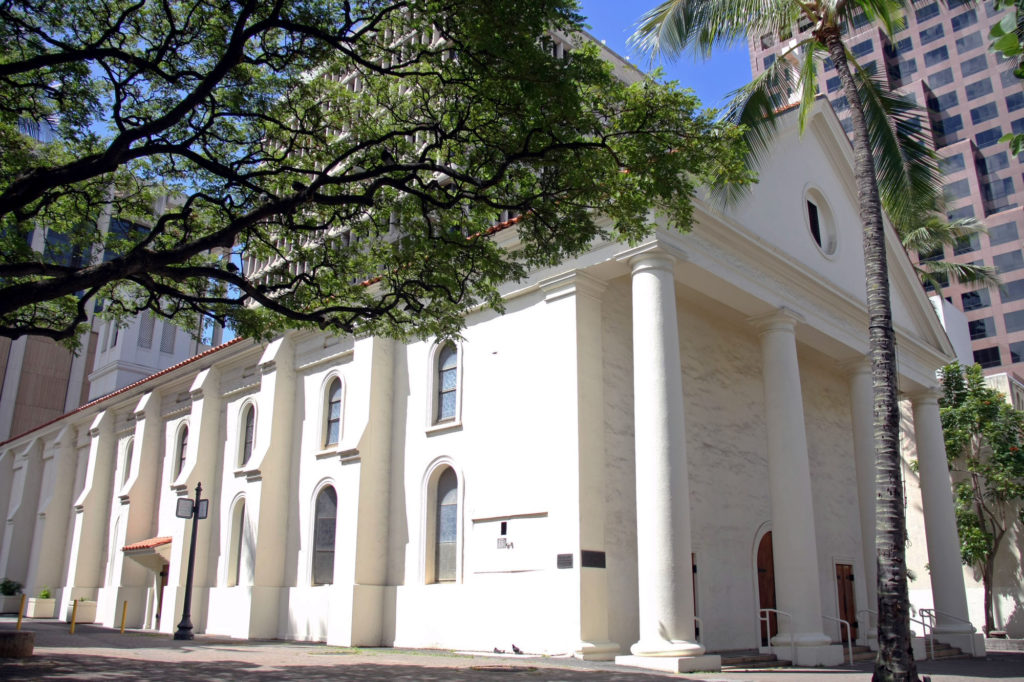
[(662, 483), (862, 423), (948, 593), (794, 543)]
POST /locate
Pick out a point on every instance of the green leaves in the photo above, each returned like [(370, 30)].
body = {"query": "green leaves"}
[(985, 447), (346, 160)]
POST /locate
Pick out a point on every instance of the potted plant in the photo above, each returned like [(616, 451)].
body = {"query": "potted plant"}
[(10, 596), (42, 606), (86, 611)]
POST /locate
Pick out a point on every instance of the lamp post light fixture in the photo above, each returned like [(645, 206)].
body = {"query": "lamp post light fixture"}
[(194, 510)]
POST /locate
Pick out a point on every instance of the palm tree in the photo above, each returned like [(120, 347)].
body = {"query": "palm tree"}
[(929, 235), (891, 163)]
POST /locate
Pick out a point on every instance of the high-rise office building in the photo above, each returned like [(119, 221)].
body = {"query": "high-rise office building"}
[(971, 98)]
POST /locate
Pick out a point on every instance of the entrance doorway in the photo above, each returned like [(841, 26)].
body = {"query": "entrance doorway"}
[(766, 587), (847, 605)]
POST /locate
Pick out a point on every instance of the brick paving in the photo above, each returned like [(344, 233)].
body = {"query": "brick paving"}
[(96, 653)]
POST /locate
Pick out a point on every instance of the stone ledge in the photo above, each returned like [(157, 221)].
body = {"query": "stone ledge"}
[(18, 644)]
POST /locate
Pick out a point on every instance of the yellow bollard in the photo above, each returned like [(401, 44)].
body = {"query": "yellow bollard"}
[(21, 610), (124, 614), (74, 615)]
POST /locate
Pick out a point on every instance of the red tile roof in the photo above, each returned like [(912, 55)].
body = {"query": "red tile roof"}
[(129, 387), (146, 544)]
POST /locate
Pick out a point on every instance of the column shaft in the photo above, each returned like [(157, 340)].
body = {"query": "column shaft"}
[(662, 483), (948, 593), (793, 535)]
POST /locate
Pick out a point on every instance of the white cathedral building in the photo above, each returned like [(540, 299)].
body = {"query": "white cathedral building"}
[(650, 446)]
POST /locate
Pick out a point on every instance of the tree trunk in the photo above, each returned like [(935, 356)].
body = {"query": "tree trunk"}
[(895, 660), (987, 571)]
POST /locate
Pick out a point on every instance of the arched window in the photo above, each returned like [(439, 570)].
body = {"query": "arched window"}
[(182, 451), (248, 429), (238, 541), (332, 413), (127, 466), (447, 382), (324, 524), (447, 527)]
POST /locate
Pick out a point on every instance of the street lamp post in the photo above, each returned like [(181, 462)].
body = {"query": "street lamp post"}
[(195, 510)]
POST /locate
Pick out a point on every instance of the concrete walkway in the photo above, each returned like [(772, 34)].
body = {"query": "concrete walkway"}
[(95, 653)]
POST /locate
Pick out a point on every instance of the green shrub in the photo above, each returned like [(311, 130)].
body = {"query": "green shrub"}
[(45, 593), (9, 588)]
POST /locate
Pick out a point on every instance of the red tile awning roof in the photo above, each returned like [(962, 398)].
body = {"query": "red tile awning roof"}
[(146, 544)]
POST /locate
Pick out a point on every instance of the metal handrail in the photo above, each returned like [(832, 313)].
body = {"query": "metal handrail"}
[(929, 642), (931, 615), (700, 629), (763, 617), (849, 634)]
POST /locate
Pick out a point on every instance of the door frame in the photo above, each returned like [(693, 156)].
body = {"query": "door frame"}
[(762, 530), (848, 561)]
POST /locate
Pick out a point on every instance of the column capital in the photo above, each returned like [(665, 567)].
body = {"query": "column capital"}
[(930, 394), (855, 366), (574, 282), (652, 256), (782, 319)]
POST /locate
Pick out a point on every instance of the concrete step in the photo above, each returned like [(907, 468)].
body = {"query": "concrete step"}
[(749, 659)]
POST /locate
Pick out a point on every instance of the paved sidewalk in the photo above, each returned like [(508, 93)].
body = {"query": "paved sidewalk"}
[(95, 653)]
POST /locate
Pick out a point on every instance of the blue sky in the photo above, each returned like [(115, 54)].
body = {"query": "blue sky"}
[(613, 21)]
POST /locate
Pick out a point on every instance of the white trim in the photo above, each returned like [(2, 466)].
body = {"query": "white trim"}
[(428, 500), (322, 445), (124, 473), (311, 530), (179, 465), (234, 562), (829, 248), (240, 433), (433, 425)]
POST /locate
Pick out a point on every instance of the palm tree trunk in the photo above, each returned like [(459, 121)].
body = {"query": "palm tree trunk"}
[(895, 660)]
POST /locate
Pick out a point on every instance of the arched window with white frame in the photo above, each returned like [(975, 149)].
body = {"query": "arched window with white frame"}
[(239, 548), (444, 404), (126, 466), (181, 451), (325, 515), (247, 434), (332, 412), (442, 553)]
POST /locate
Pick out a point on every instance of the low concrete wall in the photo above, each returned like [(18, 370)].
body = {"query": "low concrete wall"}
[(17, 644)]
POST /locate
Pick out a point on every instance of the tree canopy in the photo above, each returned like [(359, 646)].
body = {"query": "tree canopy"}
[(313, 163), (985, 447)]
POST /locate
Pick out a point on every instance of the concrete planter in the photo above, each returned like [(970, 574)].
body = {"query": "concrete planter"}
[(41, 608), (10, 604), (86, 612)]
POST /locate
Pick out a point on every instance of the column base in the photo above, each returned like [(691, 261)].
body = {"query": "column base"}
[(674, 664), (667, 647), (596, 651)]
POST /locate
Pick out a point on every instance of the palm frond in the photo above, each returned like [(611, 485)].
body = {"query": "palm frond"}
[(906, 168), (698, 26)]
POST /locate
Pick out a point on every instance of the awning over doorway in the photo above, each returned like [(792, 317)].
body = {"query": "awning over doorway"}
[(153, 553)]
